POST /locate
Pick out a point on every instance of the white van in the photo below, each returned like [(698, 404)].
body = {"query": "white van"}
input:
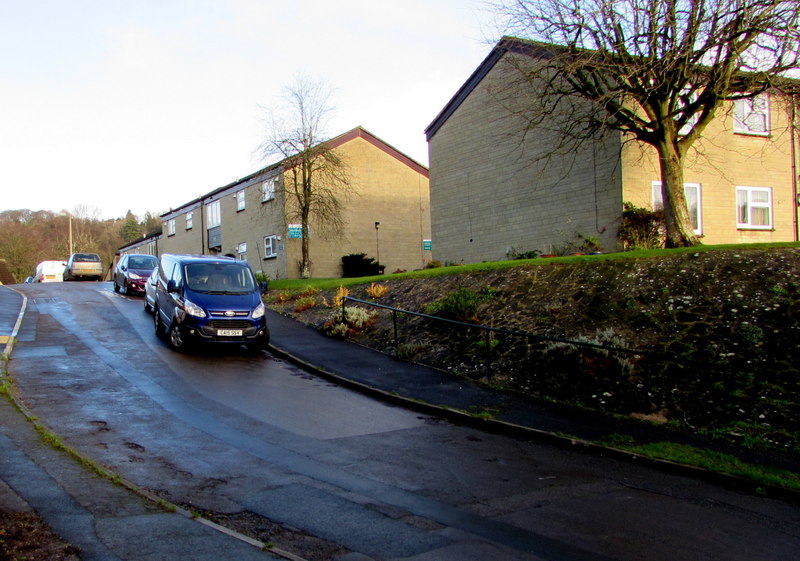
[(50, 271)]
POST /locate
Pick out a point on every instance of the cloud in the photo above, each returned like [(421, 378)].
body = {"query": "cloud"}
[(146, 105)]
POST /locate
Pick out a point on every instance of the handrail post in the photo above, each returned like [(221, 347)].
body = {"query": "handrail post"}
[(487, 341), (394, 321), (344, 315)]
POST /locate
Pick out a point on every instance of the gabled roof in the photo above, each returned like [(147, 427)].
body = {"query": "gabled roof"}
[(539, 50), (500, 49), (503, 46), (358, 132)]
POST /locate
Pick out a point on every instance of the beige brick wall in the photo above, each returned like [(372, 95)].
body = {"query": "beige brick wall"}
[(489, 197), (719, 162), (386, 190)]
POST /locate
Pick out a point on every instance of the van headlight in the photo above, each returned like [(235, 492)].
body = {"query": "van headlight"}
[(259, 311), (193, 309)]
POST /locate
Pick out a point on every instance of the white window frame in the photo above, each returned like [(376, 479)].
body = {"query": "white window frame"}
[(189, 220), (270, 247), (268, 190), (213, 217), (748, 192), (241, 249), (241, 202), (171, 227), (658, 202), (748, 112)]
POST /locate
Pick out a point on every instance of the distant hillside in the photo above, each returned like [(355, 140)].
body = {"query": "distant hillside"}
[(721, 331)]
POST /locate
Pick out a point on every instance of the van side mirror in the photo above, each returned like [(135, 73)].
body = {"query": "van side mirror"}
[(171, 286)]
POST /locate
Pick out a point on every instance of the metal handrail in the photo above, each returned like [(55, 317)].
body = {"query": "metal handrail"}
[(487, 329)]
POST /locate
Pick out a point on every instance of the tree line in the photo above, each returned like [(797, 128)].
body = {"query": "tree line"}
[(28, 237)]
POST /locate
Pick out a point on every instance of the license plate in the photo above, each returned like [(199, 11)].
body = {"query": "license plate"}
[(229, 332)]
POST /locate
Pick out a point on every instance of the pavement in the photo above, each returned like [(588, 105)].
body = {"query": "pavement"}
[(37, 477)]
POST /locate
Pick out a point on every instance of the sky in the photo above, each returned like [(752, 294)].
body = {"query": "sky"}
[(115, 105)]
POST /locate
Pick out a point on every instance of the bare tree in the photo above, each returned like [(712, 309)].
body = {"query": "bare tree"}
[(316, 180), (658, 71)]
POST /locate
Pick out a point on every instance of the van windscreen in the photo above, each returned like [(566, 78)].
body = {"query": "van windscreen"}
[(219, 278)]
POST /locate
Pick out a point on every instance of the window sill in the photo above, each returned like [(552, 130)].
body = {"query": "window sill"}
[(755, 134), (268, 257)]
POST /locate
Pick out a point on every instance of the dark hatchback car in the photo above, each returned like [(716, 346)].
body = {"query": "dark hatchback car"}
[(202, 298), (132, 271)]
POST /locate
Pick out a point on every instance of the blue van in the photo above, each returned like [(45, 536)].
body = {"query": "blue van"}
[(208, 298)]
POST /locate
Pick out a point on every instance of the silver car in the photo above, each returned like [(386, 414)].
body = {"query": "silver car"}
[(83, 266), (150, 291)]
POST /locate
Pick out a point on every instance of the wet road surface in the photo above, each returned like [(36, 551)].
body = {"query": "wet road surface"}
[(228, 430)]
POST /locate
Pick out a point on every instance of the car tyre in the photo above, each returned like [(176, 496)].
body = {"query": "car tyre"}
[(116, 286), (157, 322), (176, 339), (147, 307)]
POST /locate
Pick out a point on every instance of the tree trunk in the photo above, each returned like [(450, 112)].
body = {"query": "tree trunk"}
[(676, 213)]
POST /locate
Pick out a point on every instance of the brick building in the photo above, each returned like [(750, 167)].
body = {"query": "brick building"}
[(248, 218), (490, 200)]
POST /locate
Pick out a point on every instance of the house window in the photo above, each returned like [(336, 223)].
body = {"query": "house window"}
[(189, 219), (754, 208), (213, 217), (171, 227), (240, 202), (692, 192), (242, 250), (268, 190), (270, 247), (751, 115)]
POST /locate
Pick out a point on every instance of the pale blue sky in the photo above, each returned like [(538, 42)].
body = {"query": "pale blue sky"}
[(117, 105)]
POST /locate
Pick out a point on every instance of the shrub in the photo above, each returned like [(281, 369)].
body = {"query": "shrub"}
[(341, 292), (642, 228), (376, 290), (359, 265), (305, 303), (355, 320), (434, 264), (284, 296), (531, 254), (460, 305)]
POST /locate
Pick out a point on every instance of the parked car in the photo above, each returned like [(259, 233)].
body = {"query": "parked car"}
[(83, 266), (50, 271), (132, 272), (150, 291), (208, 299)]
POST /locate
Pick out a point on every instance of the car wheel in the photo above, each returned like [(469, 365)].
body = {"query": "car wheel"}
[(176, 338), (116, 286), (123, 289), (147, 307), (157, 322)]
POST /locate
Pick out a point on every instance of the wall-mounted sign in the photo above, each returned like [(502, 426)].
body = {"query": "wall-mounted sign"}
[(295, 231), (427, 245)]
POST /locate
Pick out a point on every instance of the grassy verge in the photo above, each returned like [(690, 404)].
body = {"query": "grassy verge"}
[(333, 283), (715, 462)]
